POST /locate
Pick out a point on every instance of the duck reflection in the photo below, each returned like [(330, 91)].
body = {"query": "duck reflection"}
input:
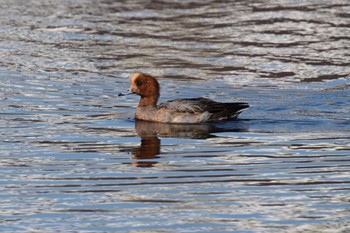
[(149, 132), (149, 149)]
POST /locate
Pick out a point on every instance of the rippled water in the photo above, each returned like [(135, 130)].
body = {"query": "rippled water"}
[(74, 160)]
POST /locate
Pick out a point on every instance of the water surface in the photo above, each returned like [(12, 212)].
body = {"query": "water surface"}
[(74, 159)]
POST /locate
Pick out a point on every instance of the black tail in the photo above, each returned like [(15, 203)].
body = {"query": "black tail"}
[(241, 106), (236, 108), (227, 111)]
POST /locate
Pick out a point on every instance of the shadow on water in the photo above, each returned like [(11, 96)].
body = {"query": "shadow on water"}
[(149, 132)]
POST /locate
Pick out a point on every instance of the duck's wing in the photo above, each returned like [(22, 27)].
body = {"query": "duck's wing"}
[(200, 105), (194, 105)]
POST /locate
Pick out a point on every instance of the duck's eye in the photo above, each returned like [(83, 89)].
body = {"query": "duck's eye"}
[(138, 83)]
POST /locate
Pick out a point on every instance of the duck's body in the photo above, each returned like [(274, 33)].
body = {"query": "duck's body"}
[(193, 110)]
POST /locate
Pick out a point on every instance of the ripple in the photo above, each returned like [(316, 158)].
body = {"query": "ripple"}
[(73, 156)]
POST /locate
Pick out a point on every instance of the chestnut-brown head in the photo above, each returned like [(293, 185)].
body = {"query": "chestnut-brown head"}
[(145, 86)]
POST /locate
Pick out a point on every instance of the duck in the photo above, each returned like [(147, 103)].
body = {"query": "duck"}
[(188, 110)]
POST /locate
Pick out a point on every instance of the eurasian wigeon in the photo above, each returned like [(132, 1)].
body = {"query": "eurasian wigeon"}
[(191, 110)]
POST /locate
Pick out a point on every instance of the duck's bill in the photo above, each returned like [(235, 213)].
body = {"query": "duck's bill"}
[(127, 93)]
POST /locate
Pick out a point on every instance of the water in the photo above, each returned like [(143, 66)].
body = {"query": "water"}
[(74, 160)]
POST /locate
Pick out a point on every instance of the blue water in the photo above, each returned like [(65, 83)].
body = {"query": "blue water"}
[(73, 159)]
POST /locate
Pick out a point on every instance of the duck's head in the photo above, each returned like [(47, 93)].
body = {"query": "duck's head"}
[(145, 86)]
